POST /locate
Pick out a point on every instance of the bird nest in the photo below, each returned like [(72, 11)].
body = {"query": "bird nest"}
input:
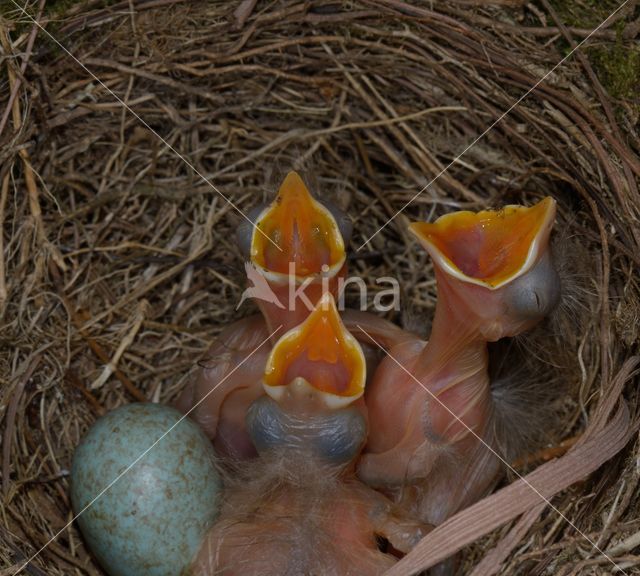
[(134, 133)]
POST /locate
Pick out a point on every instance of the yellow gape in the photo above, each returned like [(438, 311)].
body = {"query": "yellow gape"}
[(489, 248), (303, 233), (323, 353)]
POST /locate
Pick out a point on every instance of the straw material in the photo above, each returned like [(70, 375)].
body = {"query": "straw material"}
[(119, 262)]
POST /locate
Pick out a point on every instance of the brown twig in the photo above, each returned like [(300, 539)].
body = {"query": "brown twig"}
[(4, 194), (7, 439), (79, 318), (23, 67), (405, 88)]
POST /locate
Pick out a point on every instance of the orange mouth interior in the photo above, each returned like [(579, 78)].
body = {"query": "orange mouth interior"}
[(304, 230), (491, 246), (321, 351)]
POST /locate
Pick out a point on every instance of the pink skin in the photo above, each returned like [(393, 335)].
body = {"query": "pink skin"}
[(295, 312), (225, 388), (417, 449), (303, 525), (227, 381), (298, 511)]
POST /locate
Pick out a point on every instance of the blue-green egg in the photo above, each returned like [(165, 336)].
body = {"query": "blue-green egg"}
[(151, 520)]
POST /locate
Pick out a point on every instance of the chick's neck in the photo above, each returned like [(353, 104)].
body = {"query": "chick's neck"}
[(453, 366)]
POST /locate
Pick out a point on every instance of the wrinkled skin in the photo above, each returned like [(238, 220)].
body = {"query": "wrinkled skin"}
[(298, 507), (429, 453), (297, 515), (227, 381)]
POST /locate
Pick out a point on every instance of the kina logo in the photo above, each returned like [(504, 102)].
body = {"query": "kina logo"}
[(258, 287)]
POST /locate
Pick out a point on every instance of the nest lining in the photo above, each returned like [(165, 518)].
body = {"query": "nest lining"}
[(120, 264)]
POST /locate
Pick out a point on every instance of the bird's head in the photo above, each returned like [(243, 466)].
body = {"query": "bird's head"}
[(495, 265), (296, 236), (318, 362), (313, 378)]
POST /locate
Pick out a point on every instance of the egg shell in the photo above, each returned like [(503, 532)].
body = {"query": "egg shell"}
[(150, 521)]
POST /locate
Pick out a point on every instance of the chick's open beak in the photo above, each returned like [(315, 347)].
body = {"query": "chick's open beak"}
[(320, 356), (489, 248), (296, 229)]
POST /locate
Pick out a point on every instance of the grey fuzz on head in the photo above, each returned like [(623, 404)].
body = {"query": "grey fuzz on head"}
[(343, 220), (536, 293), (335, 437), (244, 233)]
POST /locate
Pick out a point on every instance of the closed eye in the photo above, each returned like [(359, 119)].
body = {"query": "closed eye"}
[(244, 233)]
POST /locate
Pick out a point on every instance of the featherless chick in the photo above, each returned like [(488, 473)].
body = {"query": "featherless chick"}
[(298, 508), (296, 251), (430, 403)]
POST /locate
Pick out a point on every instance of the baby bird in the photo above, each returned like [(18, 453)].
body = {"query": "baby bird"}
[(298, 509), (298, 246), (430, 404), (295, 249)]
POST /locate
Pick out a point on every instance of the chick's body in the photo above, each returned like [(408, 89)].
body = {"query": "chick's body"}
[(229, 378), (295, 516), (298, 508), (431, 405)]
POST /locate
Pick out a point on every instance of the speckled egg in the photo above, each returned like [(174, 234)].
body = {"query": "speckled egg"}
[(151, 520)]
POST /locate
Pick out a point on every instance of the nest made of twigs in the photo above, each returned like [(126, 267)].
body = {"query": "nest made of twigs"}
[(119, 264)]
